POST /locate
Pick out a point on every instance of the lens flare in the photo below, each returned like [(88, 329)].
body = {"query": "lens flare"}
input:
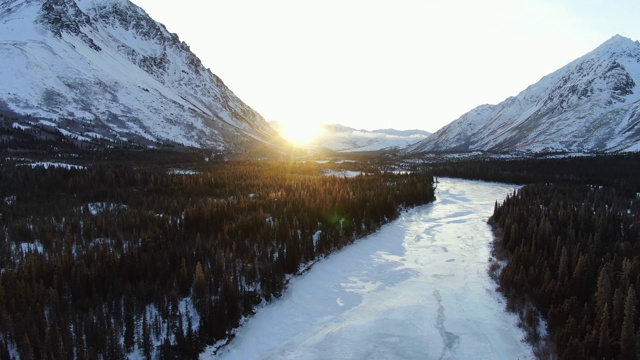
[(300, 133)]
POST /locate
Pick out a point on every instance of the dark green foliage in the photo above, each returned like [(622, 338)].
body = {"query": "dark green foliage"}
[(99, 262), (573, 251)]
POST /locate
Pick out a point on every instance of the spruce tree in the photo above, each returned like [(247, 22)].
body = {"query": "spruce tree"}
[(627, 334)]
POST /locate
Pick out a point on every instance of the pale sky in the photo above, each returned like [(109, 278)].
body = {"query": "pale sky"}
[(373, 64)]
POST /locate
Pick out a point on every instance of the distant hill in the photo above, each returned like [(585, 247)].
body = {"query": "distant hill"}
[(345, 139)]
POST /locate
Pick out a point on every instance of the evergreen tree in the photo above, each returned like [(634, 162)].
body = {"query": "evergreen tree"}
[(146, 345), (604, 340), (627, 334), (26, 350)]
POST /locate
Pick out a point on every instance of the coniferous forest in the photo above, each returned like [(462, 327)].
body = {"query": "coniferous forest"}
[(114, 258), (101, 261), (573, 253)]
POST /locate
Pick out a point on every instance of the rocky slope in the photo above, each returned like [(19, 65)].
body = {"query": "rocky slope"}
[(590, 105), (104, 71)]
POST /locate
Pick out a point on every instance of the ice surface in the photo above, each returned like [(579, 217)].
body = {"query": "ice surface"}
[(417, 289)]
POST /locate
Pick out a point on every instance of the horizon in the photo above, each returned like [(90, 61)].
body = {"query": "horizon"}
[(370, 66)]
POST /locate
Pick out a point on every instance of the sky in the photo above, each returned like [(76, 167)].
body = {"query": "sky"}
[(373, 64)]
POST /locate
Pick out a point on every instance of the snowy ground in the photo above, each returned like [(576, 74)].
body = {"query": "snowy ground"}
[(417, 289)]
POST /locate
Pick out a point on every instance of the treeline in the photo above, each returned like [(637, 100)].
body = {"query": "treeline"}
[(102, 262), (573, 251), (621, 171)]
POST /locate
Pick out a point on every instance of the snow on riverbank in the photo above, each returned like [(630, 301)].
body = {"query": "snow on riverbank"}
[(417, 289)]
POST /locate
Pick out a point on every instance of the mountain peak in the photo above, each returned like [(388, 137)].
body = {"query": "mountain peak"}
[(617, 43), (104, 69), (590, 104), (619, 39)]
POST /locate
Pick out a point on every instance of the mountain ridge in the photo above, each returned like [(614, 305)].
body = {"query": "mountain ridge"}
[(573, 109), (106, 70)]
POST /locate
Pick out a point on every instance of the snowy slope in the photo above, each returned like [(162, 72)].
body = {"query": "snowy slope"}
[(591, 104), (105, 69), (345, 139), (416, 289)]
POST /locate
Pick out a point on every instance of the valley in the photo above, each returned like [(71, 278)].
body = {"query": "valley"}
[(147, 212), (69, 227)]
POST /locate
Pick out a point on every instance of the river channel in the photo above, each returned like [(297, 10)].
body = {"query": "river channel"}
[(416, 289)]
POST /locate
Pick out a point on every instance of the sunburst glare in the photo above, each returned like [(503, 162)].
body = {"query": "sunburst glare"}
[(299, 133)]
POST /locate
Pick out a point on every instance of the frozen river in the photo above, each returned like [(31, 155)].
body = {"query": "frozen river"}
[(416, 289)]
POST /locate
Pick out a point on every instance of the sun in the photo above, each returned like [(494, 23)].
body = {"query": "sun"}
[(299, 133)]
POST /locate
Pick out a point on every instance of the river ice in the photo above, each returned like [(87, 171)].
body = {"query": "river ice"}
[(416, 289)]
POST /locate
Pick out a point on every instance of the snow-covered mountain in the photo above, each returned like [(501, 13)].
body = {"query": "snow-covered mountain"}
[(103, 69), (345, 139), (591, 104)]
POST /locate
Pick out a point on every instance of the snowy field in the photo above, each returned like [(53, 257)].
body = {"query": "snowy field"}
[(417, 289)]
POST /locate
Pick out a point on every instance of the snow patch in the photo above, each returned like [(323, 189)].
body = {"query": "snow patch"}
[(48, 164), (343, 173), (35, 247), (15, 125)]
